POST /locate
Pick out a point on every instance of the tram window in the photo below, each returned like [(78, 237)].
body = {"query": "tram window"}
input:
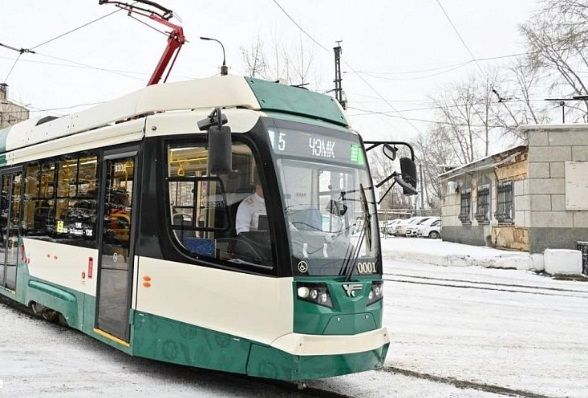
[(39, 213), (64, 212), (203, 209)]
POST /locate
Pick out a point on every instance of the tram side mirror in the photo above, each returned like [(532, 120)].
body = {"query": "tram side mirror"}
[(337, 208), (407, 178), (220, 160)]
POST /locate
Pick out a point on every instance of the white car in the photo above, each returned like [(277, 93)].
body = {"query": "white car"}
[(400, 229), (432, 230), (388, 227), (411, 230)]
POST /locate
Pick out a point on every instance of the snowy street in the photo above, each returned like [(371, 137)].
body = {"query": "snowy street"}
[(455, 331)]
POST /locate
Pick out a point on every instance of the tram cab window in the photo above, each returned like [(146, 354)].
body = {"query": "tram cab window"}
[(218, 218), (61, 198)]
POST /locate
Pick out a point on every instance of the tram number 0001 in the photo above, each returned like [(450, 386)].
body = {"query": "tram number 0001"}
[(366, 268)]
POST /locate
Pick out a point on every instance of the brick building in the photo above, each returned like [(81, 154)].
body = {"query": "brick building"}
[(10, 113), (527, 198)]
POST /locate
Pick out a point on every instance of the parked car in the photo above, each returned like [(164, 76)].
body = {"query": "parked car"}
[(411, 230), (400, 229), (417, 230), (432, 230), (388, 227)]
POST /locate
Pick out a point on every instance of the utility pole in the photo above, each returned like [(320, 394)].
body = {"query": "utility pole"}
[(422, 188), (339, 95)]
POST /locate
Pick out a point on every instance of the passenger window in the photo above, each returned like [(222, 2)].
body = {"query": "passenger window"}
[(39, 214), (222, 218), (61, 200)]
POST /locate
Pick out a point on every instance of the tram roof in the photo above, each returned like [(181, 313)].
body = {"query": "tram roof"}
[(219, 91)]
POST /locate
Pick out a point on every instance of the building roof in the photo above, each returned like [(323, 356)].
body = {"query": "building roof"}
[(485, 162)]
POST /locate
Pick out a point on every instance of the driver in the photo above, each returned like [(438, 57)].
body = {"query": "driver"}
[(249, 211)]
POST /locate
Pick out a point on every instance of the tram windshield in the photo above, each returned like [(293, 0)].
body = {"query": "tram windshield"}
[(329, 201)]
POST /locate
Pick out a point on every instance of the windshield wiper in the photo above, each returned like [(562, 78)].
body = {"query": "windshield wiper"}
[(366, 234)]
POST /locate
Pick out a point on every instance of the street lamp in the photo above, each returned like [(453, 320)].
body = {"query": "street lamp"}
[(224, 68)]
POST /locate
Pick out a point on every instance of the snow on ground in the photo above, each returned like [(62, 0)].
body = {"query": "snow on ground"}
[(40, 359), (438, 252), (455, 332), (531, 339)]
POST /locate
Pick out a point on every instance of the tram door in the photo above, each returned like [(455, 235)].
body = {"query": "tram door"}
[(11, 183), (115, 265)]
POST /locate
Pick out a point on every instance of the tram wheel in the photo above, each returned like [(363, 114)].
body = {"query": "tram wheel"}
[(37, 308), (61, 319), (49, 315)]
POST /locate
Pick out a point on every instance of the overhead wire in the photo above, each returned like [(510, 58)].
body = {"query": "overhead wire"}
[(372, 88), (31, 50), (12, 68), (125, 74), (71, 65), (75, 29), (438, 68), (388, 114), (459, 35), (435, 107)]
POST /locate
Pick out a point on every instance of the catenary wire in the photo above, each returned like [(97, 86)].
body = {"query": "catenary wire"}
[(349, 66), (75, 29), (459, 35), (12, 68)]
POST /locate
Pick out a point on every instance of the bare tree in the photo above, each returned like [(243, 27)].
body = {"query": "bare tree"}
[(515, 100), (294, 64), (456, 118), (254, 59), (557, 38)]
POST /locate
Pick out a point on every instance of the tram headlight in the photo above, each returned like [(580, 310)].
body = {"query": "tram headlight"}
[(303, 292), (314, 294), (317, 293), (376, 292)]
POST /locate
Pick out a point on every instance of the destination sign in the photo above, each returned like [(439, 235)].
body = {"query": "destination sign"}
[(317, 146)]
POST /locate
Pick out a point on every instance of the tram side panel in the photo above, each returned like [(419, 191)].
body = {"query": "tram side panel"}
[(189, 312)]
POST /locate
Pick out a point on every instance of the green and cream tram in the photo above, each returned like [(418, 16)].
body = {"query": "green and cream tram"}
[(121, 220)]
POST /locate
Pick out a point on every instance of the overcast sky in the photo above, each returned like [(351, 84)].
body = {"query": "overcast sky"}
[(388, 42)]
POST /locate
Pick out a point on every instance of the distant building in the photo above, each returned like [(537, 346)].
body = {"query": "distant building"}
[(527, 198), (10, 113)]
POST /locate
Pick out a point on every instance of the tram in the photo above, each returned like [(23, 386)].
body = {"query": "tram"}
[(226, 223)]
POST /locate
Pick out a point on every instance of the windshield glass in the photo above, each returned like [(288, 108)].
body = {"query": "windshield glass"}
[(329, 201)]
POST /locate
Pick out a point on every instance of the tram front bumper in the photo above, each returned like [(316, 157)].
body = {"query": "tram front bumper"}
[(297, 356)]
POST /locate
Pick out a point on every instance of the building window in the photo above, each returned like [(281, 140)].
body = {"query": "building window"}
[(465, 207), (483, 205), (504, 203)]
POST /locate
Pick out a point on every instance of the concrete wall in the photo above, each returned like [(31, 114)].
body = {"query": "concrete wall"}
[(550, 224)]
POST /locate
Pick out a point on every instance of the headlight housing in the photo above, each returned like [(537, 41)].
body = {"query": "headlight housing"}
[(376, 292), (317, 293)]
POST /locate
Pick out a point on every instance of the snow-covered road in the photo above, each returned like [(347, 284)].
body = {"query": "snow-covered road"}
[(506, 328), (456, 331)]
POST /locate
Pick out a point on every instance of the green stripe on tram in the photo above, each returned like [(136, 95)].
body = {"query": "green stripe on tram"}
[(168, 340), (163, 339)]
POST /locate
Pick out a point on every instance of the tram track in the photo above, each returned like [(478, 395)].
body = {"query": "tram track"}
[(482, 285), (464, 384)]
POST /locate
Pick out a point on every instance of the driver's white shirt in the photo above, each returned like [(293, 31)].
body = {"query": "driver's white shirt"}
[(248, 213)]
